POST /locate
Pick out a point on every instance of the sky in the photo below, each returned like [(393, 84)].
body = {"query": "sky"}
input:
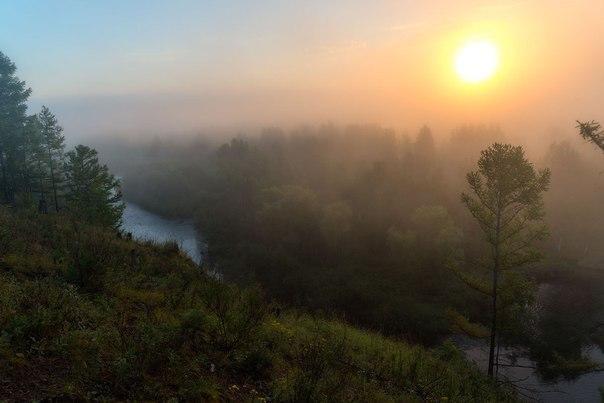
[(153, 67)]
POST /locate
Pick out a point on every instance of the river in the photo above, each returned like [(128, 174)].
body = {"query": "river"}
[(583, 389), (145, 225)]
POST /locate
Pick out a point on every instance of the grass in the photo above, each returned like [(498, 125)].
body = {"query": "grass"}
[(86, 314)]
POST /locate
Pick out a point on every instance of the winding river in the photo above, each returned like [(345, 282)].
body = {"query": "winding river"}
[(145, 225)]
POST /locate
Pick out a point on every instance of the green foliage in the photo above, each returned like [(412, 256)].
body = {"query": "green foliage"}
[(507, 204), (94, 194), (314, 219), (32, 161), (53, 145), (592, 132), (154, 327), (13, 98), (337, 363), (463, 325), (336, 224)]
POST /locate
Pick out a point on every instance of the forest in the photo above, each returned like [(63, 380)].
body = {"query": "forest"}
[(369, 226), (342, 262)]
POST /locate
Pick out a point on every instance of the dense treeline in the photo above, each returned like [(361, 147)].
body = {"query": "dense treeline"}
[(35, 169), (300, 215), (362, 222)]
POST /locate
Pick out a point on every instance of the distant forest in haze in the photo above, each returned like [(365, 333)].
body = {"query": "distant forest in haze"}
[(360, 222)]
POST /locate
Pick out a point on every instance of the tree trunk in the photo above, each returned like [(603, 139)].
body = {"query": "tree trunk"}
[(4, 181), (497, 354), (494, 297), (42, 205), (52, 179), (493, 326), (11, 188)]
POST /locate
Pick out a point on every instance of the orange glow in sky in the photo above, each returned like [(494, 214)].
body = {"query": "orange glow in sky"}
[(400, 64)]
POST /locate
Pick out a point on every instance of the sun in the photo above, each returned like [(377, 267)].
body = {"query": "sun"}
[(477, 61)]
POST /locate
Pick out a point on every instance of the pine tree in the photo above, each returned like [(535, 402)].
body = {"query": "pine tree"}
[(94, 194), (507, 203), (34, 169), (32, 159), (53, 143), (592, 132), (13, 108)]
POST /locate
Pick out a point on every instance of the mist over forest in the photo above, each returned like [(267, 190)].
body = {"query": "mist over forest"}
[(300, 202), (338, 155), (359, 221)]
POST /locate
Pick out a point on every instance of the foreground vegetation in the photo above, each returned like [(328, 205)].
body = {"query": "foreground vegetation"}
[(87, 314)]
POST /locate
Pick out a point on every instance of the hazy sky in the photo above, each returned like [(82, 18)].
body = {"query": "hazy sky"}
[(151, 66)]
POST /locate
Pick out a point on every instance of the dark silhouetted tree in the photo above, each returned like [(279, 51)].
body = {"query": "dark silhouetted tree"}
[(34, 168), (13, 108), (507, 203), (53, 143), (93, 193), (592, 132)]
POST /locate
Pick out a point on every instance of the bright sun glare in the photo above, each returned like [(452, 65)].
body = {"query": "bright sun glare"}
[(477, 61)]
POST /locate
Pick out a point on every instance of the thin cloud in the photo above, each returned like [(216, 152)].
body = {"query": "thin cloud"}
[(155, 56)]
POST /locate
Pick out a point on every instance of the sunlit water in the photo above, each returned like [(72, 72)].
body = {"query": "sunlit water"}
[(145, 225), (581, 389)]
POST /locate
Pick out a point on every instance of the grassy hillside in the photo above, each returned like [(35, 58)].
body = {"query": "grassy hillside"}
[(87, 314)]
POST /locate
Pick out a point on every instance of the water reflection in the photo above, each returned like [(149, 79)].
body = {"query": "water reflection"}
[(145, 225), (581, 389)]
